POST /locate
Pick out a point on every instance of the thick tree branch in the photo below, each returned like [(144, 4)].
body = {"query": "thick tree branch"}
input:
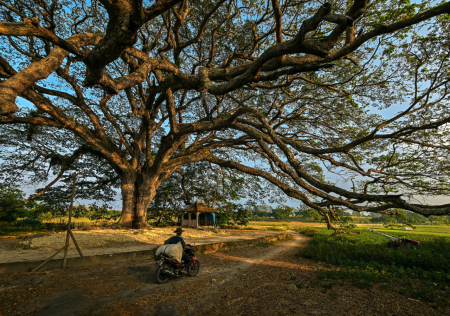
[(23, 80)]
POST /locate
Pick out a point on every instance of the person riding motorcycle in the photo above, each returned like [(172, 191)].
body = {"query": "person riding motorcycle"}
[(175, 240)]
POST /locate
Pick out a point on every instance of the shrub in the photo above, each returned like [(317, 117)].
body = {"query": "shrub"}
[(28, 221), (308, 231)]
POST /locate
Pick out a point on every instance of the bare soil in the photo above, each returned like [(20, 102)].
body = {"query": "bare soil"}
[(97, 238), (153, 235), (248, 281)]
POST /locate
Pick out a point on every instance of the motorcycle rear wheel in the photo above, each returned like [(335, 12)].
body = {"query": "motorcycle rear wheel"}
[(193, 268), (160, 276)]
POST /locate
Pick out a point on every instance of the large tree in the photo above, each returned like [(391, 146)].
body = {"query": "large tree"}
[(149, 86), (335, 128)]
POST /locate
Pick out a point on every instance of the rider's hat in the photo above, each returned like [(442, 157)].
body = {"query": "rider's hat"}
[(179, 230)]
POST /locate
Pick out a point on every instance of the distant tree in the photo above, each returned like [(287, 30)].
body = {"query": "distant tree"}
[(11, 197), (439, 219), (392, 220), (414, 218), (346, 219), (283, 211), (42, 212), (312, 213), (102, 213), (401, 216), (303, 211), (81, 211), (242, 216), (265, 210), (379, 219), (258, 211), (232, 214)]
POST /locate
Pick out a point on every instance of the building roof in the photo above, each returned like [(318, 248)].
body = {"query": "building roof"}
[(199, 207)]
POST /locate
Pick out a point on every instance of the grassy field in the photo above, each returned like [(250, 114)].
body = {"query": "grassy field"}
[(10, 229), (17, 229), (421, 273), (76, 220), (281, 226)]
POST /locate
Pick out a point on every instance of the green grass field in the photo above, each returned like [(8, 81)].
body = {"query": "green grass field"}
[(422, 273), (281, 226)]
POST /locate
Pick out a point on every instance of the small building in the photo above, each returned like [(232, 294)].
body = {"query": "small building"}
[(198, 214)]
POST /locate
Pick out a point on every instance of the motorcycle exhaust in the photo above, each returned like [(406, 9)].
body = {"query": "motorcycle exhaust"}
[(169, 272)]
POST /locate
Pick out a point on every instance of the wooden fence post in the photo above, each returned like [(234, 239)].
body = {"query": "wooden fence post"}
[(69, 233), (68, 223)]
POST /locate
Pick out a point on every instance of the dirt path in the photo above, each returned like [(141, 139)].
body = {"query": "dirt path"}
[(248, 281)]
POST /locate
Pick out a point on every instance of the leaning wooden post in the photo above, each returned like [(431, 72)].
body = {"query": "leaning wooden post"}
[(75, 242), (43, 263), (70, 218), (69, 232)]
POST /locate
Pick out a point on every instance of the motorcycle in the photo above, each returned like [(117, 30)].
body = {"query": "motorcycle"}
[(166, 268)]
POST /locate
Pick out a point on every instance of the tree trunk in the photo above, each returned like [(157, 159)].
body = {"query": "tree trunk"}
[(128, 201), (142, 203), (136, 197)]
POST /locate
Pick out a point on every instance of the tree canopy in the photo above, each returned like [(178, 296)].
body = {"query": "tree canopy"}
[(290, 91)]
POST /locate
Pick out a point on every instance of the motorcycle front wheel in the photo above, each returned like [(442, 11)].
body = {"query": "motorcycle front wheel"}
[(160, 275), (193, 268)]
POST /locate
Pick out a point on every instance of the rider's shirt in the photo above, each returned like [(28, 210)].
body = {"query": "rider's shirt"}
[(175, 240)]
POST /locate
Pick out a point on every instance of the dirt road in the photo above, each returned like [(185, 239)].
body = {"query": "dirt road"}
[(250, 281)]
